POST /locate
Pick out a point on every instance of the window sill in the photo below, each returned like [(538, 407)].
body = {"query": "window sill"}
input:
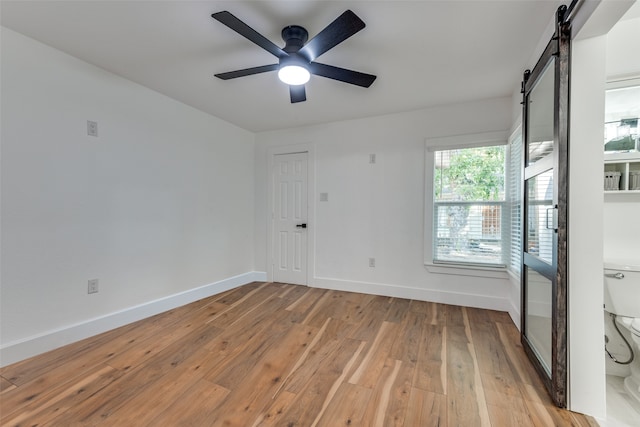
[(468, 270)]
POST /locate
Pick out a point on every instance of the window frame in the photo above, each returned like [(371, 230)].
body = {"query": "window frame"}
[(432, 145)]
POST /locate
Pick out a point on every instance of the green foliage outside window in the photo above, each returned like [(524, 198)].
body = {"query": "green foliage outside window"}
[(471, 174)]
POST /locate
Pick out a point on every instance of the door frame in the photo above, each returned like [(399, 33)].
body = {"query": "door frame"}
[(558, 47), (308, 148)]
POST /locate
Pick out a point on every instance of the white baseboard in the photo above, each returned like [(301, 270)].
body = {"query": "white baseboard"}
[(514, 312), (432, 295), (514, 299), (31, 346)]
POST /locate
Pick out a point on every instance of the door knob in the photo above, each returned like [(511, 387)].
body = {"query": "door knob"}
[(301, 225)]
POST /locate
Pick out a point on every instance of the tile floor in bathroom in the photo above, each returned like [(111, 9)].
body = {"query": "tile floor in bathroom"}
[(622, 410)]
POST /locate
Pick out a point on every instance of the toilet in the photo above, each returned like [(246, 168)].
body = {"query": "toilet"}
[(622, 298)]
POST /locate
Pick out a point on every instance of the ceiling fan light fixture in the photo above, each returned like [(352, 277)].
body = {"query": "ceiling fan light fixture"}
[(294, 75)]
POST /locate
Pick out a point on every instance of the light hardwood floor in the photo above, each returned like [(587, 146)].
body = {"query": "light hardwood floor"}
[(284, 355)]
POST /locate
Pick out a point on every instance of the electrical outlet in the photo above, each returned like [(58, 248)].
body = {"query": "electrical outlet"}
[(92, 287), (372, 262), (372, 159), (92, 128)]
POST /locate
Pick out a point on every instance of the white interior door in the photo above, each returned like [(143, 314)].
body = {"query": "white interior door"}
[(289, 225)]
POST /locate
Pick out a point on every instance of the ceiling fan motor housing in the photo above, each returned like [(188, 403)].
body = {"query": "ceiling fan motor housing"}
[(294, 37)]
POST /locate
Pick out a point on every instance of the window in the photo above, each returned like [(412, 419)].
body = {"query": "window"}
[(470, 213)]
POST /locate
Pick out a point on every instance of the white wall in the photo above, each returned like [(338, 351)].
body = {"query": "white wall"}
[(621, 227), (623, 44), (621, 213), (161, 203), (586, 160), (377, 210)]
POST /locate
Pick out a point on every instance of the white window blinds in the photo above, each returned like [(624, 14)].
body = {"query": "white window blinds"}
[(514, 197), (470, 211)]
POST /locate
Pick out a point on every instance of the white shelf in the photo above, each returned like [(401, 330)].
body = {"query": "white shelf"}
[(621, 156), (623, 192), (623, 163)]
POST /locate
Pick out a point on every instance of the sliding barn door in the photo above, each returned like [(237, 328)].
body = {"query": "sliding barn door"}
[(544, 248)]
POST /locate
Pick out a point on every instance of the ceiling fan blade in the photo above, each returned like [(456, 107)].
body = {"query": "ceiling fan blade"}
[(247, 32), (333, 34), (297, 93), (247, 72), (342, 74)]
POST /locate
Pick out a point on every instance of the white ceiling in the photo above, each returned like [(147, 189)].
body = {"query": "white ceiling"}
[(425, 53)]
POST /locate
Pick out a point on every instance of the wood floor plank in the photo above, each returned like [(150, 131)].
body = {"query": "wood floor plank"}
[(430, 372), (293, 293), (454, 316), (501, 416), (462, 399), (43, 411), (298, 379), (505, 403), (331, 305), (44, 387), (307, 301), (274, 413), (489, 348), (286, 355), (195, 407), (500, 317), (338, 383), (70, 358), (304, 357), (249, 398), (539, 414), (139, 351), (99, 407), (243, 342), (376, 412), (234, 295), (368, 327), (159, 394), (398, 309), (465, 397), (522, 369), (427, 409), (309, 400), (407, 342), (399, 399), (437, 313), (243, 307), (355, 308), (64, 364), (347, 408), (6, 385), (368, 371)]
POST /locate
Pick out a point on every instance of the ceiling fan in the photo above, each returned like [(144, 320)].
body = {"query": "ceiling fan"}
[(297, 57)]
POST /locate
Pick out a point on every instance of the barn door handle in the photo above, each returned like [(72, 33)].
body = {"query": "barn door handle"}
[(301, 225), (554, 218)]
